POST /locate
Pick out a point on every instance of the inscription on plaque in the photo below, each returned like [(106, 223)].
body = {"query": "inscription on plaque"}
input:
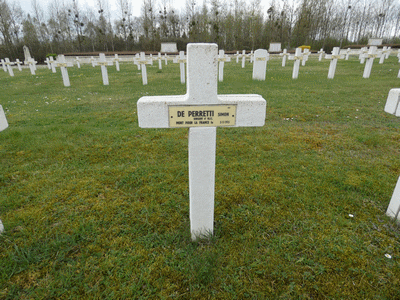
[(202, 116)]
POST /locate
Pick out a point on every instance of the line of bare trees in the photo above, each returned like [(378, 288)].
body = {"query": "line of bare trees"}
[(67, 26)]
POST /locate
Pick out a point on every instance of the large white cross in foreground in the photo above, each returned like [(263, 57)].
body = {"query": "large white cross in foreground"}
[(202, 110)]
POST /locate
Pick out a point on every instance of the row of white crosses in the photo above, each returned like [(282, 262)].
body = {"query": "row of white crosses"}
[(201, 110)]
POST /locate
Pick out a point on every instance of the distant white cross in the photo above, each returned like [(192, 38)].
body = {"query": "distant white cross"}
[(321, 53), (334, 58), (222, 58), (103, 63), (53, 64), (3, 64), (159, 58), (9, 68), (296, 66), (142, 62), (181, 60), (243, 59), (116, 60), (31, 63), (62, 64), (47, 61), (18, 64), (370, 56), (306, 53), (202, 110), (284, 55), (78, 62)]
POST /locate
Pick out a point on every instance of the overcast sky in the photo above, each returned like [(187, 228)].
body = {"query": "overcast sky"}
[(137, 4)]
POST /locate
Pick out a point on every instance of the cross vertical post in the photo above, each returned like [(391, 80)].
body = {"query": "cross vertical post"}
[(9, 64)]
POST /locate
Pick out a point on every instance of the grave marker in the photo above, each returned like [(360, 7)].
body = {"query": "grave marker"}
[(93, 61), (53, 64), (181, 60), (321, 53), (136, 59), (201, 109), (103, 63), (392, 107), (370, 56), (166, 59), (347, 54), (243, 58), (3, 64), (383, 55), (334, 58), (237, 55), (116, 60), (222, 58), (296, 66), (159, 58), (31, 63), (284, 55), (363, 53), (3, 119), (62, 64), (18, 64), (142, 62), (8, 65), (305, 55), (78, 62), (261, 57), (47, 61)]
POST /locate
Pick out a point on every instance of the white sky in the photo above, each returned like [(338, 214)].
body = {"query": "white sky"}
[(136, 4)]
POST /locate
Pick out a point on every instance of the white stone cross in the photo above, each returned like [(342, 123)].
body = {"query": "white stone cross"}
[(151, 59), (78, 62), (243, 58), (62, 64), (136, 59), (3, 119), (202, 110), (53, 64), (181, 60), (142, 62), (306, 53), (334, 58), (347, 54), (18, 64), (363, 52), (237, 55), (371, 55), (3, 64), (166, 59), (159, 58), (296, 66), (103, 63), (392, 107), (47, 61), (284, 55), (384, 52), (8, 65), (116, 60), (251, 56), (261, 57), (389, 50), (321, 53), (31, 63), (93, 61), (222, 58)]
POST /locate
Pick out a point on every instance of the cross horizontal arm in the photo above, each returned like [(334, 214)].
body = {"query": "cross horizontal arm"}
[(153, 111)]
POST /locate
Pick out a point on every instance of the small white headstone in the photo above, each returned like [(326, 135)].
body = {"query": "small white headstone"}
[(201, 109), (261, 57), (168, 47), (181, 60), (375, 42), (27, 54)]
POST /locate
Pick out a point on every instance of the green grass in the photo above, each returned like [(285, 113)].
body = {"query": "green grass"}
[(96, 207)]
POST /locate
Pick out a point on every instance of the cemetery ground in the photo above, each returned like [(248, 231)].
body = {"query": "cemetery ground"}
[(96, 207)]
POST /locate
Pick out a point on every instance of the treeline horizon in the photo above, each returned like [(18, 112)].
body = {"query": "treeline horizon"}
[(67, 27)]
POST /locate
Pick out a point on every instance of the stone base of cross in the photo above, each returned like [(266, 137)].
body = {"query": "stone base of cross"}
[(201, 110), (393, 107)]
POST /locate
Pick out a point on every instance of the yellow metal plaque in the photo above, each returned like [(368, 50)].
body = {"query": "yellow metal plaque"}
[(202, 116)]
